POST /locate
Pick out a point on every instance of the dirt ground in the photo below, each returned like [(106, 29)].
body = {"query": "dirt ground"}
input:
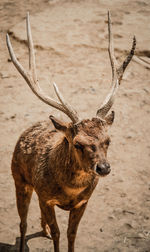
[(71, 49)]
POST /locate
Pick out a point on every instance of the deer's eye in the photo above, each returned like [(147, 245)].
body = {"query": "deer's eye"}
[(79, 146), (93, 147)]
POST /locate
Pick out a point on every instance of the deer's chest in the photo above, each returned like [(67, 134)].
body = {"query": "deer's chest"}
[(67, 196), (73, 192), (74, 197)]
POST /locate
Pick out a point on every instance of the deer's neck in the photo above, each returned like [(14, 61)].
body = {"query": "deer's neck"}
[(66, 167), (63, 158)]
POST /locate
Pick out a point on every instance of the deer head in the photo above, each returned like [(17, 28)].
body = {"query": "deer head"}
[(88, 139)]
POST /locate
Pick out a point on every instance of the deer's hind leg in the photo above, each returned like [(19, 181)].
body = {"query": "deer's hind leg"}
[(23, 197), (44, 225)]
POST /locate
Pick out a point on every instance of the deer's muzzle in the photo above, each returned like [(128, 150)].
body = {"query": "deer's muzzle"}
[(103, 168)]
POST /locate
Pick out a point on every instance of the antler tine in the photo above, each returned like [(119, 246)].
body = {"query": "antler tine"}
[(32, 81), (16, 63), (32, 65), (111, 46), (71, 113), (109, 100), (117, 73), (36, 89), (122, 68)]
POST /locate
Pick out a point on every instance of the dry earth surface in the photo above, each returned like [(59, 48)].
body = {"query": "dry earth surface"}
[(71, 49)]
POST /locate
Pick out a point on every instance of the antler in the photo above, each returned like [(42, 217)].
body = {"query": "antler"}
[(31, 77), (117, 73)]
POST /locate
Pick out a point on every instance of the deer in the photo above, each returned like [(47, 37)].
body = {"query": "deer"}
[(62, 161)]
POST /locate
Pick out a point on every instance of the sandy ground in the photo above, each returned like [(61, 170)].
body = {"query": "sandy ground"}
[(71, 49)]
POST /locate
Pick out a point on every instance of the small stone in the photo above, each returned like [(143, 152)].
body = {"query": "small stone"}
[(13, 116), (123, 195), (111, 217), (4, 75), (92, 89), (9, 86), (128, 225), (146, 217), (140, 235)]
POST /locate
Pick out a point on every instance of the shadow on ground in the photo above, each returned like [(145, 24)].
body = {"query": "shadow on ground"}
[(4, 247)]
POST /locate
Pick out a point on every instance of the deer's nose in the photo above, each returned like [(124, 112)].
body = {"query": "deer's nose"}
[(103, 168)]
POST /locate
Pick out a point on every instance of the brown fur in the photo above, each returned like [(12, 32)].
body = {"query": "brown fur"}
[(59, 164)]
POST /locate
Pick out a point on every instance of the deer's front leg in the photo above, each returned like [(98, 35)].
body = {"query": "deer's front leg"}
[(50, 218), (74, 219)]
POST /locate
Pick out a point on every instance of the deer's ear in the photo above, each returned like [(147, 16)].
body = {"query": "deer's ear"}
[(110, 118), (58, 124)]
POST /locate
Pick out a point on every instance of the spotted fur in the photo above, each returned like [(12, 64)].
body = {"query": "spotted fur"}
[(58, 162)]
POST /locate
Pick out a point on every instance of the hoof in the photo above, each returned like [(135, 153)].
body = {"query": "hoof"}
[(46, 232)]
